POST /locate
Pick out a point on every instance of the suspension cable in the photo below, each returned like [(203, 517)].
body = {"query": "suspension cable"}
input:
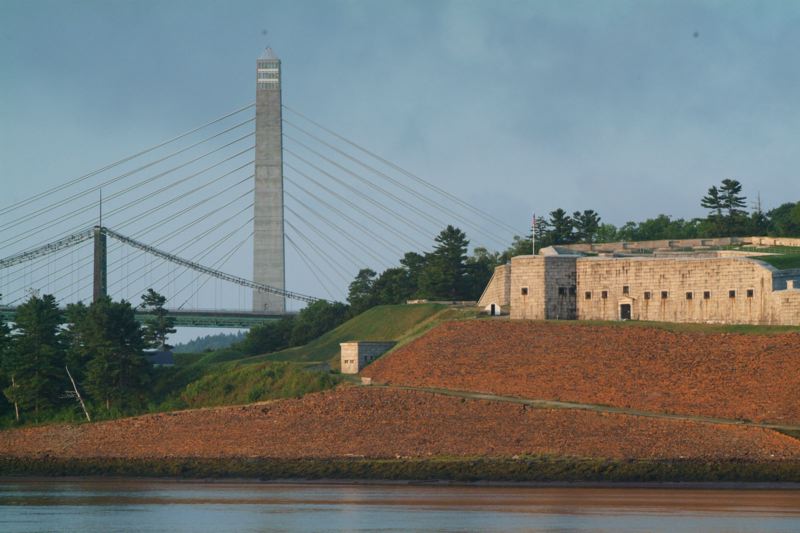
[(405, 172), (29, 200)]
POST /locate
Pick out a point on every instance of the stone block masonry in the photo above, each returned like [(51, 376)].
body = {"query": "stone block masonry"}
[(719, 290), (356, 355), (498, 291), (723, 290), (543, 287)]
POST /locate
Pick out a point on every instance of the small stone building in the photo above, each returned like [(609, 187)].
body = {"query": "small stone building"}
[(677, 288), (355, 355)]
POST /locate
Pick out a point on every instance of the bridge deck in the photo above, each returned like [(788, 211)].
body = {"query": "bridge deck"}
[(193, 318)]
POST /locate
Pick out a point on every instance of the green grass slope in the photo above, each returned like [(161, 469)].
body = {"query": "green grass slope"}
[(385, 322), (232, 384), (786, 257)]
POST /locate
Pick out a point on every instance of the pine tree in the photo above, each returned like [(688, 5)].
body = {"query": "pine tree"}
[(5, 345), (360, 295), (72, 336), (393, 286), (586, 225), (34, 360), (731, 198), (561, 225), (713, 202), (160, 326), (444, 274), (117, 372)]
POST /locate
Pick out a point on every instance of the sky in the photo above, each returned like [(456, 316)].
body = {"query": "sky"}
[(630, 108)]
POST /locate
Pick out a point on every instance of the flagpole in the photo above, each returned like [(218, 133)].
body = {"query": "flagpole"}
[(533, 234)]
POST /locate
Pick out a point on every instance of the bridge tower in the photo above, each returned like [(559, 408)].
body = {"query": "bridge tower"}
[(100, 285), (268, 244)]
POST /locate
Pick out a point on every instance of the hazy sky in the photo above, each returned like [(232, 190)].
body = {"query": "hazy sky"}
[(629, 108)]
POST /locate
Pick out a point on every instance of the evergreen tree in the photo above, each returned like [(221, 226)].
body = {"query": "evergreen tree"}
[(784, 220), (34, 360), (731, 198), (607, 233), (160, 326), (480, 267), (733, 201), (586, 225), (542, 234), (713, 202), (393, 286), (444, 274), (316, 319), (415, 264), (360, 294), (561, 225), (5, 344), (76, 357), (267, 337), (726, 204), (117, 372), (519, 246)]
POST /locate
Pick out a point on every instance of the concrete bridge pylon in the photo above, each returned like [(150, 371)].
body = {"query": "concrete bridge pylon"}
[(269, 261)]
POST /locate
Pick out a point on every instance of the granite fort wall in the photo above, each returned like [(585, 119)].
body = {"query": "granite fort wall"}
[(543, 287), (718, 290), (681, 243), (356, 355), (498, 290), (774, 241)]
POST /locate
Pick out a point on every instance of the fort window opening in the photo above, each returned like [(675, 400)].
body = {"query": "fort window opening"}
[(689, 295), (664, 295), (731, 294), (524, 291), (706, 295), (626, 289), (587, 295), (604, 295), (750, 293), (646, 295)]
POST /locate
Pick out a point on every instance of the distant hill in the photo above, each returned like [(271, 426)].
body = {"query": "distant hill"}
[(209, 342)]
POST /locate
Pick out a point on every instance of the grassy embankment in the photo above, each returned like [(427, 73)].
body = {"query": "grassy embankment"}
[(226, 377), (786, 257), (457, 469), (401, 323)]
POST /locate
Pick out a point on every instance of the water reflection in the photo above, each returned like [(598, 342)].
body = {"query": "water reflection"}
[(125, 505)]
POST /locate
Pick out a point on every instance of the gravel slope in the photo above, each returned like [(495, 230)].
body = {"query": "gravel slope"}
[(384, 423), (737, 376)]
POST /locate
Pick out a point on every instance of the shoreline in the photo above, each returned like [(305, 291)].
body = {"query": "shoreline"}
[(654, 485), (469, 471)]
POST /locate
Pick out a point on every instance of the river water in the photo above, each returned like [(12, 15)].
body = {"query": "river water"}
[(141, 505)]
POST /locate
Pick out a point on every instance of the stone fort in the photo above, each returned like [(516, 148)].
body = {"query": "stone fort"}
[(662, 285)]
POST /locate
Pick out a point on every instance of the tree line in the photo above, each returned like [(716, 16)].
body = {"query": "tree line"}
[(48, 357), (446, 273), (727, 217), (450, 273)]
